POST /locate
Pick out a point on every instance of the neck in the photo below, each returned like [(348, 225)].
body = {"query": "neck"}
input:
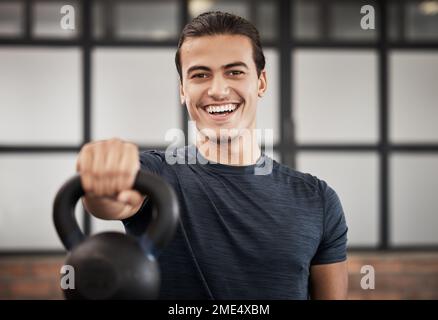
[(242, 150)]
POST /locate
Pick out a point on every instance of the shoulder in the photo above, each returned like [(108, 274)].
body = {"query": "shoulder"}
[(152, 155), (306, 182), (158, 160), (152, 160)]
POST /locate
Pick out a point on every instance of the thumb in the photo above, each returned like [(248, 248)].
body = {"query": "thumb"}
[(130, 197)]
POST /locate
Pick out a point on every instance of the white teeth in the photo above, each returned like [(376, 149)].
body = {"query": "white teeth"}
[(222, 108)]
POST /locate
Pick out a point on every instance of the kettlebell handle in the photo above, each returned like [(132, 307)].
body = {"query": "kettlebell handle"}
[(160, 230)]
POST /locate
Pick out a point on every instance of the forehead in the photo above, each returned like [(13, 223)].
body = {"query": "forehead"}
[(215, 51)]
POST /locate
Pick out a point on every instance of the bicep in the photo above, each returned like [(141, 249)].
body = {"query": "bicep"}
[(329, 281)]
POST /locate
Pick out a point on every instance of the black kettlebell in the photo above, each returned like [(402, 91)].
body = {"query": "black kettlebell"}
[(113, 265)]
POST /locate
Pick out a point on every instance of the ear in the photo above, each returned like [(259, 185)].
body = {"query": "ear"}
[(262, 83), (181, 93)]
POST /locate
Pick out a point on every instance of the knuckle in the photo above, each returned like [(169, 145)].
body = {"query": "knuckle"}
[(86, 148), (114, 142), (102, 147), (131, 147)]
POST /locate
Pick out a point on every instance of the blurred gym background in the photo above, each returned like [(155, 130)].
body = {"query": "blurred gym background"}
[(358, 108)]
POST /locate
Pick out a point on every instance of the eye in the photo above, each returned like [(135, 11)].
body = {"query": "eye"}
[(235, 72), (200, 75)]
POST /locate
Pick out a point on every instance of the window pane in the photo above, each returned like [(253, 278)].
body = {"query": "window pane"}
[(47, 24), (135, 94), (11, 24), (40, 96), (155, 20), (305, 19), (335, 96), (346, 21), (394, 8), (354, 177), (28, 186), (414, 205), (99, 19), (422, 20), (268, 105), (267, 20), (413, 96)]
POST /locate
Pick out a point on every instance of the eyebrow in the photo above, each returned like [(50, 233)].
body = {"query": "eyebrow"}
[(236, 64), (227, 66)]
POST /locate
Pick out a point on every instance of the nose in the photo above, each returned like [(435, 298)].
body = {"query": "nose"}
[(219, 89)]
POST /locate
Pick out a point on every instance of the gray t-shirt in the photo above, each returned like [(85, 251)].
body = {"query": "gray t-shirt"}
[(243, 235)]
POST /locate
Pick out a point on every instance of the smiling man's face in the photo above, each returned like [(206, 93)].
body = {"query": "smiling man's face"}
[(220, 85)]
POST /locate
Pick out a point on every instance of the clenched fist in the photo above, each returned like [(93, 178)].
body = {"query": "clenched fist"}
[(108, 169)]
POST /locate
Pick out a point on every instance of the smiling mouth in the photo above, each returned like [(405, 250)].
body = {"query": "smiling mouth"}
[(221, 110)]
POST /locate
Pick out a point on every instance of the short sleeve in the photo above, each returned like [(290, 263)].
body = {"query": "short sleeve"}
[(152, 161), (333, 245)]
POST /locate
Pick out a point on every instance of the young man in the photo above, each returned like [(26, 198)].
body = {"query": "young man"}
[(242, 235)]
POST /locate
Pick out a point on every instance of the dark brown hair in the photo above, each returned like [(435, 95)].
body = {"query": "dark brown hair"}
[(216, 23)]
